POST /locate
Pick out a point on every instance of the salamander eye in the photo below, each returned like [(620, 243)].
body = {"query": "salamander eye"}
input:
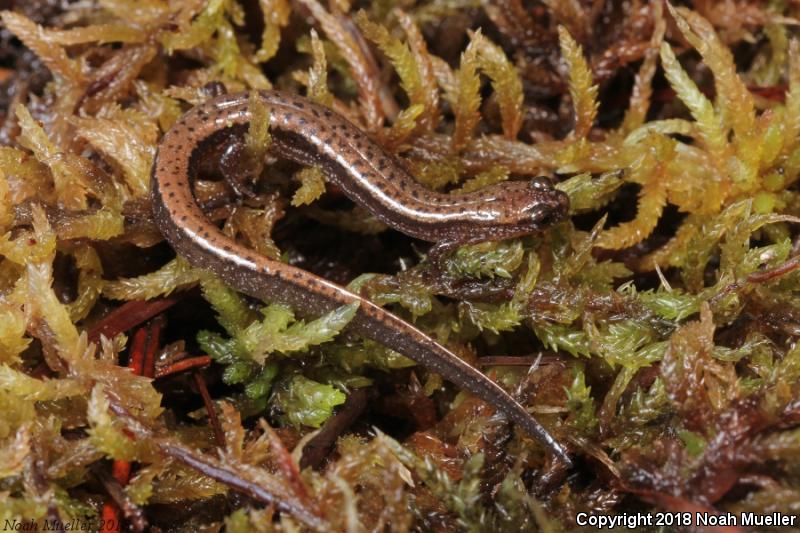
[(541, 183), (545, 218), (545, 214), (539, 215)]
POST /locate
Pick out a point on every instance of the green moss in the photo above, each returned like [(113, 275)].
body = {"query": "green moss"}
[(304, 402), (653, 332)]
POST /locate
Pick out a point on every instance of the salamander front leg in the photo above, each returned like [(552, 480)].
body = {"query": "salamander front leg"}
[(441, 249)]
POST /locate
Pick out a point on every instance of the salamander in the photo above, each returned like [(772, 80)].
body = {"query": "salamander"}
[(312, 134)]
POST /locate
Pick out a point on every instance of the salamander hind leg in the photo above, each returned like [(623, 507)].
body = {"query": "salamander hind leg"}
[(239, 171)]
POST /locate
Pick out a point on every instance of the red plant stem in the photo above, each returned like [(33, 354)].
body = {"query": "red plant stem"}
[(142, 362), (128, 316), (219, 435), (184, 365), (776, 93), (136, 358), (111, 515), (549, 358), (153, 344), (121, 471), (791, 264), (506, 360), (286, 463), (224, 473), (134, 516), (216, 469)]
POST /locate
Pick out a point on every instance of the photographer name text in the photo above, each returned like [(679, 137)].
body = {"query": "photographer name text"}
[(75, 524)]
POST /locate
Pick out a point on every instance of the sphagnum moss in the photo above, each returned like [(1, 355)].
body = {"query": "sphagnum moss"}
[(662, 318)]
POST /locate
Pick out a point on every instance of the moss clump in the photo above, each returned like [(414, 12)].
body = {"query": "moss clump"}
[(654, 333)]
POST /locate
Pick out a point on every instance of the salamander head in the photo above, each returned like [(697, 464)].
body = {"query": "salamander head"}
[(531, 206)]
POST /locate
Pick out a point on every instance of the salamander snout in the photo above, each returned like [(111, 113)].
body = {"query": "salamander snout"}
[(562, 201), (548, 205)]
